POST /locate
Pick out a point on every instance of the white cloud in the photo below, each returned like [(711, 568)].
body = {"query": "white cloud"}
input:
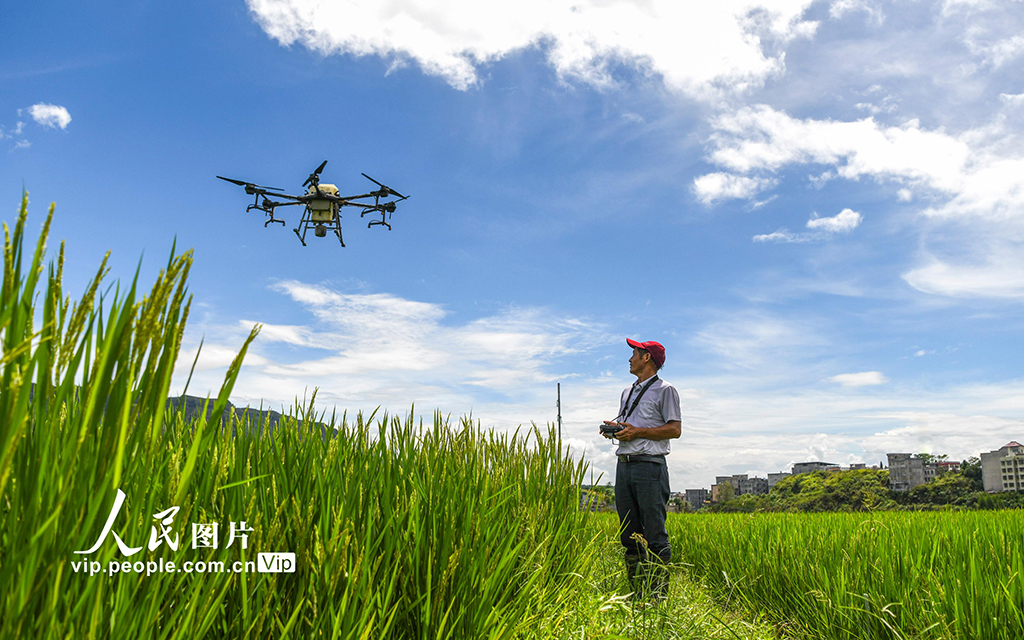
[(713, 187), (875, 109), (760, 138), (995, 39), (975, 178), (998, 273), (819, 181), (782, 235), (999, 52), (821, 228), (383, 349), (949, 6), (50, 115), (1012, 99), (17, 131), (845, 221), (840, 8), (700, 49), (746, 340), (862, 379)]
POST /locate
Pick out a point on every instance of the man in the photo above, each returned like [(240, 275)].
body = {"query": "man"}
[(649, 417)]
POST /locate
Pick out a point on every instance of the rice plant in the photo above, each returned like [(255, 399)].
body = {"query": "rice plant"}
[(400, 529), (878, 575)]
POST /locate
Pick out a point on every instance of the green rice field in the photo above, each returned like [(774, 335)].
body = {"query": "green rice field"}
[(872, 575), (400, 527)]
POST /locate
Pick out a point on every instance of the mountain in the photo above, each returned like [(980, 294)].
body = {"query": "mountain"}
[(193, 407)]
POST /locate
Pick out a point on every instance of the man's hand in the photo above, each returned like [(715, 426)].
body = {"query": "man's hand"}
[(627, 433), (610, 436)]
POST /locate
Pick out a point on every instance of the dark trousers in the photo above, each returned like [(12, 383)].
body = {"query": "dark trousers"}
[(641, 495)]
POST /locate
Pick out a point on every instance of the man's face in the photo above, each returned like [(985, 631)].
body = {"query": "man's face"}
[(636, 361)]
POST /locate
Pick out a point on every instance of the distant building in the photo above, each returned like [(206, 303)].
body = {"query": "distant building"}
[(742, 485), (933, 470), (697, 497), (773, 478), (754, 486), (907, 471), (946, 467), (721, 481), (716, 492), (676, 502), (809, 467), (1003, 469)]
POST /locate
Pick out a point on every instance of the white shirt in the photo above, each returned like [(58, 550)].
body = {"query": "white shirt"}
[(658, 406)]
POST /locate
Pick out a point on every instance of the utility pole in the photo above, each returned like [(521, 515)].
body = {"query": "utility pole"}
[(559, 411)]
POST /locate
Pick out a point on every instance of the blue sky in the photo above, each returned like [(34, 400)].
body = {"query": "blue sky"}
[(817, 207)]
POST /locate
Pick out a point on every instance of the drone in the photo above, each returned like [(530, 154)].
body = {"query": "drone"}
[(322, 204)]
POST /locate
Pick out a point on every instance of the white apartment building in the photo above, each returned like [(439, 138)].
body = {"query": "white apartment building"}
[(1003, 469)]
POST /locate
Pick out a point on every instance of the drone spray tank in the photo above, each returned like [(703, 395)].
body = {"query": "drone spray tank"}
[(321, 210)]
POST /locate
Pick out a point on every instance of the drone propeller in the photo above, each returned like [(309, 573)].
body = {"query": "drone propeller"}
[(249, 185), (315, 176), (388, 190)]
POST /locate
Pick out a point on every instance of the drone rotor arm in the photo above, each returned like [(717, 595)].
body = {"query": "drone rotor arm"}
[(290, 197), (250, 187), (358, 197), (384, 187)]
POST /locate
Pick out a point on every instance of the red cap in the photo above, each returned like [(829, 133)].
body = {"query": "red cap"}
[(654, 348)]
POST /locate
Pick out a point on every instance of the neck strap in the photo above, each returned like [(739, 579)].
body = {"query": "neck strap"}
[(643, 390)]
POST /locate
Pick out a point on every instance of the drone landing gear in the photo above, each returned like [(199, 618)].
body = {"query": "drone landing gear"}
[(384, 210), (269, 210), (319, 228)]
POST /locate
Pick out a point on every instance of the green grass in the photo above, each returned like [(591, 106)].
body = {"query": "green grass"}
[(881, 575), (604, 609)]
